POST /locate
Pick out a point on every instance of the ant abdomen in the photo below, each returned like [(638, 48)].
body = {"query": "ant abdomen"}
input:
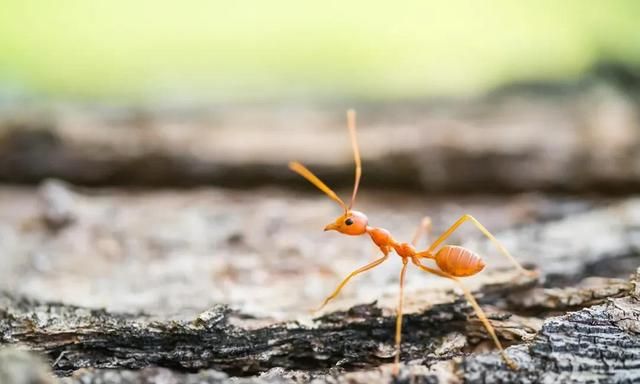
[(459, 261)]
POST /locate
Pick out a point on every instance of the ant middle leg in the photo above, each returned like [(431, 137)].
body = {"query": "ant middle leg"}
[(425, 228), (476, 307)]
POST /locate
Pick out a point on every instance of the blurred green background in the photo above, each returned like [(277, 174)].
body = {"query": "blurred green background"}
[(243, 50)]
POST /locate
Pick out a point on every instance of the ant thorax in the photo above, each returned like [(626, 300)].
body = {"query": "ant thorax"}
[(380, 236)]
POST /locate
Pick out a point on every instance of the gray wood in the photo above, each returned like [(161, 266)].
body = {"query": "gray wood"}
[(579, 139), (596, 344), (75, 338)]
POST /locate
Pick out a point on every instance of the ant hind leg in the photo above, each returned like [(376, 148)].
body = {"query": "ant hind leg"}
[(476, 307), (425, 227), (481, 228)]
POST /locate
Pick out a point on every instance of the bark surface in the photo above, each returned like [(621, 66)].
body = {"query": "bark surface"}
[(499, 143), (598, 343), (114, 286)]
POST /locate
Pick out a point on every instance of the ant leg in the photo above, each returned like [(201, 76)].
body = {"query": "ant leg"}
[(352, 274), (479, 312), (424, 227), (396, 365), (484, 231)]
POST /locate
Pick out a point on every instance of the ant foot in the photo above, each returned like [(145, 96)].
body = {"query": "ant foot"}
[(510, 363)]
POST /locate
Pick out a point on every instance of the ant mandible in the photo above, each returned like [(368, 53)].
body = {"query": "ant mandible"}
[(453, 261)]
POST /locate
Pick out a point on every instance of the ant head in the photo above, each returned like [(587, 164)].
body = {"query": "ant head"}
[(352, 223)]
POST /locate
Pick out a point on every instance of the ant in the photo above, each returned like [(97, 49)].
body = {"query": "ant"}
[(453, 261)]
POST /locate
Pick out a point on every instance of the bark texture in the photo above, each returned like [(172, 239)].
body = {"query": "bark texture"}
[(499, 143), (176, 253), (76, 338), (577, 323), (595, 344)]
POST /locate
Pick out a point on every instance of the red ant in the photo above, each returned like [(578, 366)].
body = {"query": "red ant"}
[(453, 261)]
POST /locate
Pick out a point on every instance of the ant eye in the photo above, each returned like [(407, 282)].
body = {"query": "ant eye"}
[(348, 221)]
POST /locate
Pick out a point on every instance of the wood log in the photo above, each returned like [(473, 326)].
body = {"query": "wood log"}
[(180, 252), (443, 340), (77, 338), (604, 337), (579, 139), (596, 344)]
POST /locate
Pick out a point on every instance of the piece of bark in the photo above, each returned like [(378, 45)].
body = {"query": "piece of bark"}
[(78, 338), (180, 252), (416, 374), (581, 140), (588, 292), (169, 253), (597, 344), (22, 367), (74, 338), (362, 337), (154, 375)]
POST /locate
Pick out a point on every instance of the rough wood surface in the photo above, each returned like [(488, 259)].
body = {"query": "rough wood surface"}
[(605, 337), (180, 252), (130, 250), (598, 242), (596, 344), (498, 144), (362, 337)]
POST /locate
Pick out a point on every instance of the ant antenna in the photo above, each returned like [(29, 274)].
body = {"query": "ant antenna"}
[(351, 122), (313, 179)]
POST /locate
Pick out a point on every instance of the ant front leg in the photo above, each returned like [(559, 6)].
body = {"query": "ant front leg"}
[(485, 232), (344, 282), (396, 364), (423, 228), (476, 307)]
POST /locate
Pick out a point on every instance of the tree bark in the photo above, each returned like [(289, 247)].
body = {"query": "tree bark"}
[(580, 139), (605, 337), (596, 344)]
